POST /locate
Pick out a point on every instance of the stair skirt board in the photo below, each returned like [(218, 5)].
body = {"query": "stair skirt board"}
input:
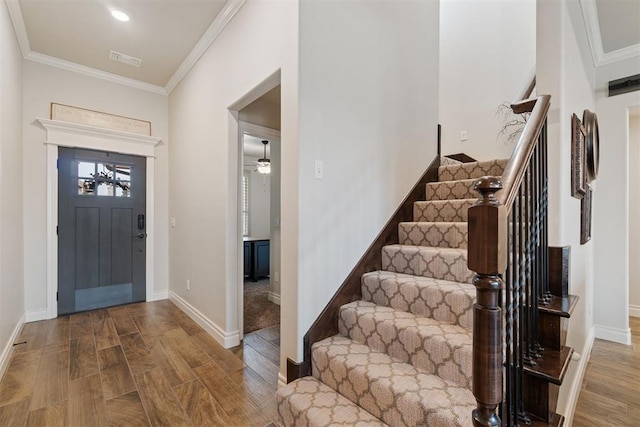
[(403, 353), (567, 405)]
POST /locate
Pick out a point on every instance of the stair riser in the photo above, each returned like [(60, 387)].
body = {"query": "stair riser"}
[(449, 190), (441, 235), (308, 402), (442, 350), (442, 210), (393, 392), (446, 264), (471, 170), (444, 301)]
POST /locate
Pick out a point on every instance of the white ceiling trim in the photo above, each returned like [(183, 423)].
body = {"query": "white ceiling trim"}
[(224, 17), (600, 58), (93, 72), (15, 13), (219, 23)]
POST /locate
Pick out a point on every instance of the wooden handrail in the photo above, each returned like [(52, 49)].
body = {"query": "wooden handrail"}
[(526, 93), (517, 165), (489, 251)]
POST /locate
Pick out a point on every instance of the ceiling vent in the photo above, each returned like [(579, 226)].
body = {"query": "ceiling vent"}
[(125, 59), (625, 85)]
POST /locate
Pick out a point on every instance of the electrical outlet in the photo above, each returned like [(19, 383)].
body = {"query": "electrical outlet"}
[(276, 277), (188, 285), (172, 222), (463, 135)]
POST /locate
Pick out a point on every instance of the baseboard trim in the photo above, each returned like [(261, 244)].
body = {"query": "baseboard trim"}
[(226, 339), (621, 336), (274, 298), (5, 357), (159, 296), (572, 400), (36, 315), (282, 380), (634, 310)]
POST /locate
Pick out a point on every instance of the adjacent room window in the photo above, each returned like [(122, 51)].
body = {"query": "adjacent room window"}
[(245, 203)]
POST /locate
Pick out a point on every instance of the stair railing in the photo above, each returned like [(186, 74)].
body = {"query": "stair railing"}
[(508, 241)]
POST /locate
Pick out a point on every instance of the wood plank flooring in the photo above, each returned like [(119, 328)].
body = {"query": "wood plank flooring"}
[(144, 364), (610, 394)]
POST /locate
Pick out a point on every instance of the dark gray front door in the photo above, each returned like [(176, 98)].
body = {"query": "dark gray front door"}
[(101, 229)]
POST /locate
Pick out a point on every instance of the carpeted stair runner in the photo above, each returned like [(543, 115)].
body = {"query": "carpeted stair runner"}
[(403, 356)]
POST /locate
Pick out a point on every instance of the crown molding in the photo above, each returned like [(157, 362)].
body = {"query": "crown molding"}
[(215, 29), (224, 17), (599, 57), (15, 13), (93, 72)]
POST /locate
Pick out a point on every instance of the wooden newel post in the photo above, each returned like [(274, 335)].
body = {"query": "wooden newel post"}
[(488, 258)]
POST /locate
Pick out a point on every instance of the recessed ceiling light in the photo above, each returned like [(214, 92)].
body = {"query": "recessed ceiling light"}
[(119, 15)]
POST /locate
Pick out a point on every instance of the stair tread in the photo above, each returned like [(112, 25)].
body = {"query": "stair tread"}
[(451, 190), (552, 366), (472, 170), (443, 300), (309, 402), (427, 261), (430, 346), (393, 391), (560, 306), (455, 210), (434, 234)]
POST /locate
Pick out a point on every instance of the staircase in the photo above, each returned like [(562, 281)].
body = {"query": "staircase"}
[(403, 355)]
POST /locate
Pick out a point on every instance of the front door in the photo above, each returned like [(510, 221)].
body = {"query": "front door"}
[(101, 229)]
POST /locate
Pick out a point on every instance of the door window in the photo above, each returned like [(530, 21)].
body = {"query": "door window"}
[(104, 179)]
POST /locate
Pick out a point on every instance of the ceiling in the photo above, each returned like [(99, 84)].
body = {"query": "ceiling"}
[(619, 22), (171, 35), (254, 148)]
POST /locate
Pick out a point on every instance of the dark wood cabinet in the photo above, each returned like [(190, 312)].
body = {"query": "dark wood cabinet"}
[(247, 258), (256, 258), (261, 259)]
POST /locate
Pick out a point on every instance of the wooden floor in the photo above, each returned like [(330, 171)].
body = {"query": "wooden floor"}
[(137, 365), (610, 394)]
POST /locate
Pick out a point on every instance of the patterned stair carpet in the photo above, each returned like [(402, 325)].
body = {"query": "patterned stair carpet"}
[(403, 355)]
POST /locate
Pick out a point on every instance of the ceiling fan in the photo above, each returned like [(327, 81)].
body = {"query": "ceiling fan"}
[(263, 165)]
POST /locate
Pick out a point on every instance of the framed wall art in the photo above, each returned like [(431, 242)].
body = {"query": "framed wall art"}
[(578, 153), (67, 113)]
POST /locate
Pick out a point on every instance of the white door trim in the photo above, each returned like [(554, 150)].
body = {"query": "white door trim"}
[(259, 132), (89, 137)]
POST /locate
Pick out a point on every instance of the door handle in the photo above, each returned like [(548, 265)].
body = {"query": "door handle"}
[(141, 235)]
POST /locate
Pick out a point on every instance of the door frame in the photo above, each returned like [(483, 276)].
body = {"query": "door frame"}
[(259, 132), (88, 137)]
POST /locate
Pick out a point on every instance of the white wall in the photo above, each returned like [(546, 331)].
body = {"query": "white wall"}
[(368, 110), (11, 260), (634, 213), (206, 149), (487, 53), (43, 85), (611, 209), (259, 201), (565, 71)]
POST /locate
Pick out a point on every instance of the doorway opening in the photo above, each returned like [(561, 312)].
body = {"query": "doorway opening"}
[(259, 220)]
